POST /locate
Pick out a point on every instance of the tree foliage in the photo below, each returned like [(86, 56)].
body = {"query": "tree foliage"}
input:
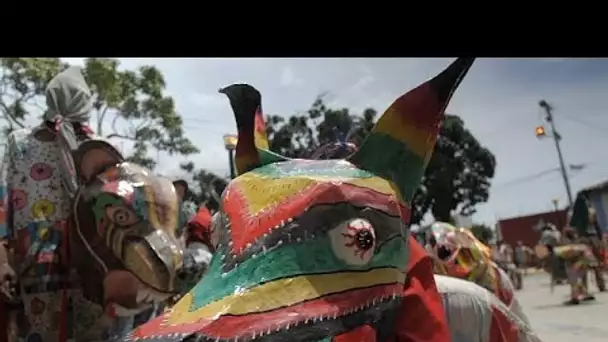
[(22, 84), (208, 186), (301, 134), (131, 101), (459, 173), (457, 177), (483, 233)]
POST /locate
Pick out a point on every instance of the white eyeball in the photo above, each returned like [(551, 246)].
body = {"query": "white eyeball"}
[(354, 241)]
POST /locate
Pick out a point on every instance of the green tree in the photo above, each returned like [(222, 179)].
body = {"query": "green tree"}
[(483, 233), (456, 180), (208, 186), (22, 85), (294, 137), (131, 101), (459, 173)]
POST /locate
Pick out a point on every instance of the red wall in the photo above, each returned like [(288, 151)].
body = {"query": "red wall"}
[(522, 228)]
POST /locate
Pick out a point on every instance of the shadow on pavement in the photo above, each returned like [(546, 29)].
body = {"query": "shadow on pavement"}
[(562, 305)]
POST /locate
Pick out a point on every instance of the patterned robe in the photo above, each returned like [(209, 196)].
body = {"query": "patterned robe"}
[(37, 211), (34, 220)]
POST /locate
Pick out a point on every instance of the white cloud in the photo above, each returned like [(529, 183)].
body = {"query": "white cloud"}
[(289, 78)]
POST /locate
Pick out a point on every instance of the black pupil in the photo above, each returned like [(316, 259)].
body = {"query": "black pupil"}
[(121, 216), (365, 239)]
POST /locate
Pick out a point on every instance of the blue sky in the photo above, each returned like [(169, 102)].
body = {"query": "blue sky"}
[(498, 102)]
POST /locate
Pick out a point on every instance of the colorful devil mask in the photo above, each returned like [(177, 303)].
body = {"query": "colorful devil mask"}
[(309, 250), (459, 254), (126, 218)]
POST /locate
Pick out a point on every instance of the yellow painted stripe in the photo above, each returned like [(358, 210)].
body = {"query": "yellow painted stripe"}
[(418, 140), (262, 192), (283, 292), (261, 141)]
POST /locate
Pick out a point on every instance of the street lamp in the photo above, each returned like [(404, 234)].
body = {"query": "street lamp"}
[(541, 133), (230, 141)]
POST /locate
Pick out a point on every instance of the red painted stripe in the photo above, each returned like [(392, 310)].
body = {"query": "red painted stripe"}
[(260, 125), (231, 327), (420, 107), (247, 228)]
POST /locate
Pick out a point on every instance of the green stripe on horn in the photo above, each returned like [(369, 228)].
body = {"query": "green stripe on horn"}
[(245, 101), (402, 142)]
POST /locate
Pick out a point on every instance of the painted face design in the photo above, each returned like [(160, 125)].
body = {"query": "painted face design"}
[(312, 250), (300, 245), (138, 214)]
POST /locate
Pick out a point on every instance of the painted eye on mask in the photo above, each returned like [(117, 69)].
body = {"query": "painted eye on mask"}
[(122, 216), (354, 241)]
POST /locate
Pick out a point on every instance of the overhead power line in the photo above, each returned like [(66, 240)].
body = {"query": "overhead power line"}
[(593, 126), (528, 178), (571, 167)]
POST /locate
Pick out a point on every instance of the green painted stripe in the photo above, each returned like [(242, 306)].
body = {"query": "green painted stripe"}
[(321, 168), (269, 157), (391, 159), (315, 256)]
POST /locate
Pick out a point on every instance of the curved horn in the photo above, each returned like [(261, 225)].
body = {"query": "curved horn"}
[(245, 101), (402, 142), (252, 146)]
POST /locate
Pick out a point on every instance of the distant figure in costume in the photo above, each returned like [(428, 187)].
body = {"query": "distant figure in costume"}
[(520, 256), (458, 253), (545, 250), (199, 229), (584, 222), (198, 240), (37, 207), (579, 259), (37, 182)]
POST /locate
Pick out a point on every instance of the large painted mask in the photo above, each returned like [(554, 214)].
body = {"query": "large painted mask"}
[(458, 253), (313, 250), (126, 222)]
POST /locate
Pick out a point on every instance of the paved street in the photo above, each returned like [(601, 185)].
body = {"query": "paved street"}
[(554, 322)]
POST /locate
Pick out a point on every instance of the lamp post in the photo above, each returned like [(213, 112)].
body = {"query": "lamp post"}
[(540, 133), (230, 141)]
